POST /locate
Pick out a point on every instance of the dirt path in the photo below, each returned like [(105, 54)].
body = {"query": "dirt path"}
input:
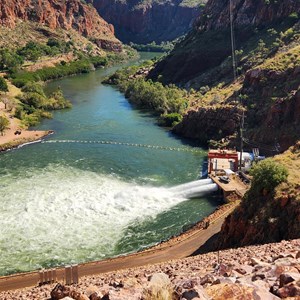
[(176, 248)]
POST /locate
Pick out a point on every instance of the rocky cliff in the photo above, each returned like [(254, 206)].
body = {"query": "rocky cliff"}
[(265, 216), (209, 44), (267, 66), (58, 14), (245, 13), (143, 22), (210, 122)]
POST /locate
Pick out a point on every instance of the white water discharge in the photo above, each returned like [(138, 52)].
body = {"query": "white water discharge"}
[(195, 188), (63, 214)]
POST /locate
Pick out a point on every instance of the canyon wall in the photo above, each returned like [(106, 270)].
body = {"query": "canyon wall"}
[(144, 22), (209, 43), (267, 65), (56, 14)]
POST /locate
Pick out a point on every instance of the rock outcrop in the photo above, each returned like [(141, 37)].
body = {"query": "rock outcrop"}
[(245, 13), (274, 119), (144, 22), (211, 122), (58, 14)]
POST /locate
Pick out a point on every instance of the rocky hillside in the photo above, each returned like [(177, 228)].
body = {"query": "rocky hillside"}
[(270, 271), (267, 37), (265, 216), (59, 15), (208, 45), (143, 22)]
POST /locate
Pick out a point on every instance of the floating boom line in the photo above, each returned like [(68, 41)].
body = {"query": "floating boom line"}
[(179, 149)]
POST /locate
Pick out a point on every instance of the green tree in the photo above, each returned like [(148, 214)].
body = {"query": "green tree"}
[(267, 174), (10, 60), (3, 124), (3, 85)]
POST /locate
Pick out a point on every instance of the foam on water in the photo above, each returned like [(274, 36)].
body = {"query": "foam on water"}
[(66, 215)]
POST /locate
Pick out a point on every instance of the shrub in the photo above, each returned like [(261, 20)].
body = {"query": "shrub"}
[(3, 124), (170, 120), (267, 175), (35, 105), (3, 85)]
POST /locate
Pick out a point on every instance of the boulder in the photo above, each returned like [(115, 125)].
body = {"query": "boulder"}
[(286, 278), (289, 290), (159, 287), (59, 292), (237, 292)]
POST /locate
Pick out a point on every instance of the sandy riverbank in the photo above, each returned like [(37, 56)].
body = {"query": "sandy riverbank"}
[(10, 139)]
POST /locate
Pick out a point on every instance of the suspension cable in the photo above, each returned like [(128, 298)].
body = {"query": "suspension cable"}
[(234, 64)]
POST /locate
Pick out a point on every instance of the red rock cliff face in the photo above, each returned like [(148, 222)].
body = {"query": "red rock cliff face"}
[(273, 118), (69, 14), (245, 12), (209, 43), (146, 22)]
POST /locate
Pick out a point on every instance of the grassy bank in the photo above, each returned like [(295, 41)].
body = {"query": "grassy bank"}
[(84, 65)]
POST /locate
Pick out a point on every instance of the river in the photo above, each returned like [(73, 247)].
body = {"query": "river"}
[(72, 199)]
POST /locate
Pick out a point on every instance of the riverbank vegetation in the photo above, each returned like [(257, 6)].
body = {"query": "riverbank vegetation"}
[(27, 67), (169, 102), (13, 61), (83, 65), (153, 47), (35, 105)]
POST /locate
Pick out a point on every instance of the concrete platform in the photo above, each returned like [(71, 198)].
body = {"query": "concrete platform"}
[(234, 186)]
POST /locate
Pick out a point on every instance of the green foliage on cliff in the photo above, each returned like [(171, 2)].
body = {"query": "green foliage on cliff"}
[(268, 216), (32, 51), (153, 47), (170, 120), (10, 60), (193, 3), (186, 3), (259, 203)]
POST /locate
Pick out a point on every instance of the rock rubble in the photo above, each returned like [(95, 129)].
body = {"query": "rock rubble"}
[(270, 271)]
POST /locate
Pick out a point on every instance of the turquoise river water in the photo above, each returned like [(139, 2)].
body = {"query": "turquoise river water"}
[(70, 202)]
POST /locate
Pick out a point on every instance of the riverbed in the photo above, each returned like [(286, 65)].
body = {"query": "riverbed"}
[(98, 187)]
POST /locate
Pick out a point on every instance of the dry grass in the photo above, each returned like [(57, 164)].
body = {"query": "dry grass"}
[(26, 31), (291, 160), (283, 61)]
